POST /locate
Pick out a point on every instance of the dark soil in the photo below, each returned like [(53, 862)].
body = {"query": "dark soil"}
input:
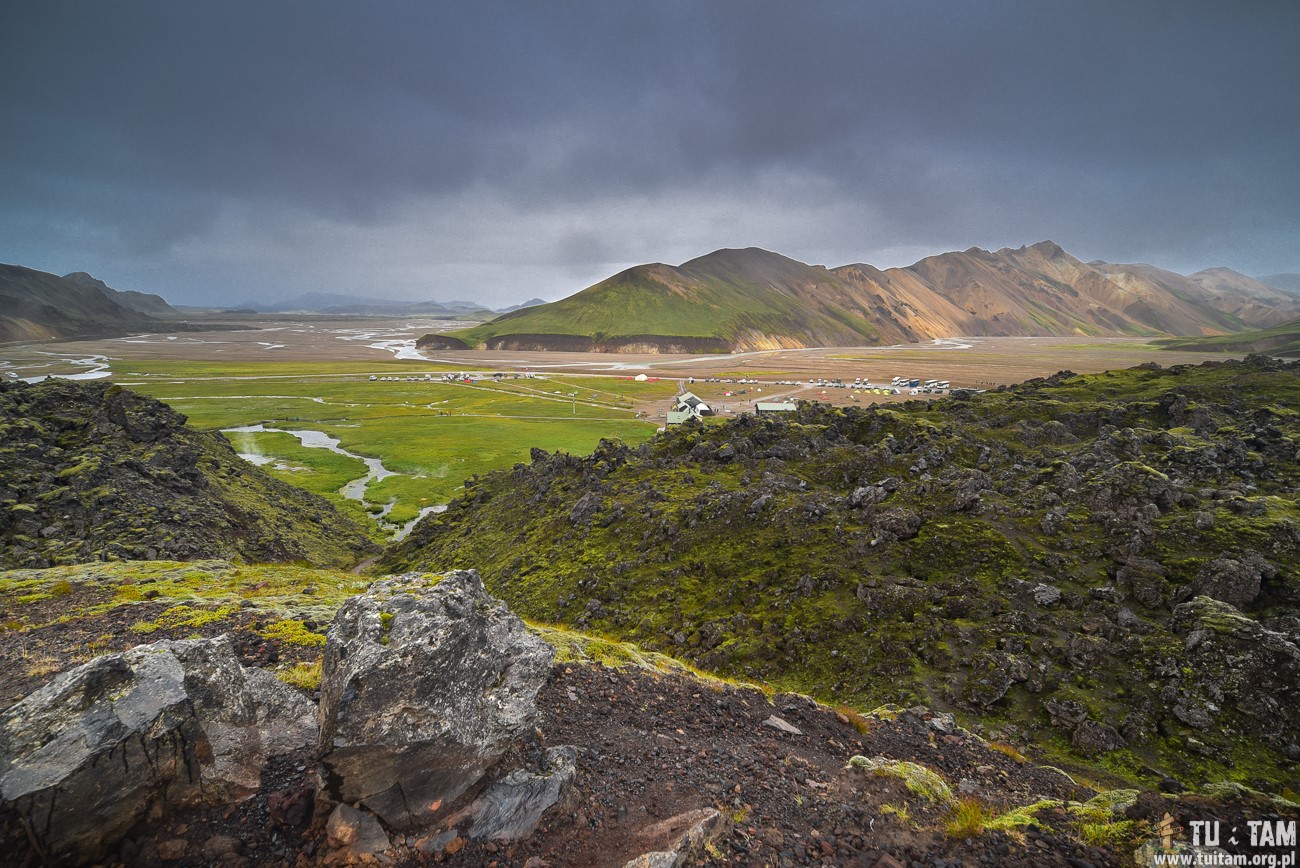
[(652, 747)]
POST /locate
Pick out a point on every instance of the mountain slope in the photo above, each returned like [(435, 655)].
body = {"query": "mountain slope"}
[(140, 302), (532, 302), (1252, 301), (1036, 558), (747, 299), (751, 299), (1280, 340), (92, 471), (35, 305)]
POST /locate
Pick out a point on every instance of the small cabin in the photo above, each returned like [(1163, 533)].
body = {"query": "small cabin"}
[(692, 402), (688, 406)]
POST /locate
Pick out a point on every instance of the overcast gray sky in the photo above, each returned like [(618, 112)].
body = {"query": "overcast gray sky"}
[(216, 152)]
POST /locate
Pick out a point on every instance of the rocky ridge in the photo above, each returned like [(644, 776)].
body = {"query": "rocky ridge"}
[(1099, 569), (90, 471), (651, 768)]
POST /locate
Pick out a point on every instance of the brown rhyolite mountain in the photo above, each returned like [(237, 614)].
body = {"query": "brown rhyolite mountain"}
[(1254, 301), (752, 299)]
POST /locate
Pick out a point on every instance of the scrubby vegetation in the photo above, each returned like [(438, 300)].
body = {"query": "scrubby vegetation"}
[(921, 781), (1101, 566)]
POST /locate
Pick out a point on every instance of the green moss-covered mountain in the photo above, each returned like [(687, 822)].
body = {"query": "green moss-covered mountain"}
[(96, 472), (749, 299), (1280, 340), (1102, 566)]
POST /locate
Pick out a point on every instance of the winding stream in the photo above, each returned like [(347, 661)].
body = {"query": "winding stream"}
[(99, 368), (354, 490), (406, 529)]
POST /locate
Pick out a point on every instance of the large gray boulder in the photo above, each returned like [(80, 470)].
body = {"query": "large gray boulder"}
[(86, 756), (427, 681), (1239, 668), (1233, 581)]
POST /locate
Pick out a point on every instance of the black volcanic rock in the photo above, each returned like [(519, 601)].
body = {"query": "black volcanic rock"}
[(89, 754), (1106, 560)]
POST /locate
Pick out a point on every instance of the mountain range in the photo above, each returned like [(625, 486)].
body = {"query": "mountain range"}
[(37, 305), (140, 302), (341, 303), (337, 303), (753, 299)]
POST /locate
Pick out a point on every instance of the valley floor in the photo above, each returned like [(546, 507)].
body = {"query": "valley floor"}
[(966, 361), (362, 382)]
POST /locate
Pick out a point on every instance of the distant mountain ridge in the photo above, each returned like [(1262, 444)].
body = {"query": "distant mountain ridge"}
[(140, 302), (37, 305), (1257, 302), (752, 299), (340, 303)]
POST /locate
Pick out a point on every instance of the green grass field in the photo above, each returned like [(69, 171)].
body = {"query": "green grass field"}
[(432, 434)]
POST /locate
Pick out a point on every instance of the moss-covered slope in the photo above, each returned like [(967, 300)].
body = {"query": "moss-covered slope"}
[(96, 472), (1280, 340), (729, 300), (1103, 566)]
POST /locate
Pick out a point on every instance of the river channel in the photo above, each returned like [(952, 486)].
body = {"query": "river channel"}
[(354, 490)]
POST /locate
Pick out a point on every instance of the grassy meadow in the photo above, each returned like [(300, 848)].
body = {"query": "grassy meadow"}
[(432, 434)]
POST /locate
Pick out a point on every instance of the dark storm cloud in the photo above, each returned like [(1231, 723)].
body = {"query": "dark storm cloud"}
[(230, 150)]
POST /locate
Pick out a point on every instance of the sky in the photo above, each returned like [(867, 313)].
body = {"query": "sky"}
[(222, 151)]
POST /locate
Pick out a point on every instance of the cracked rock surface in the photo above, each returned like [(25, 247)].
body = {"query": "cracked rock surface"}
[(424, 674)]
